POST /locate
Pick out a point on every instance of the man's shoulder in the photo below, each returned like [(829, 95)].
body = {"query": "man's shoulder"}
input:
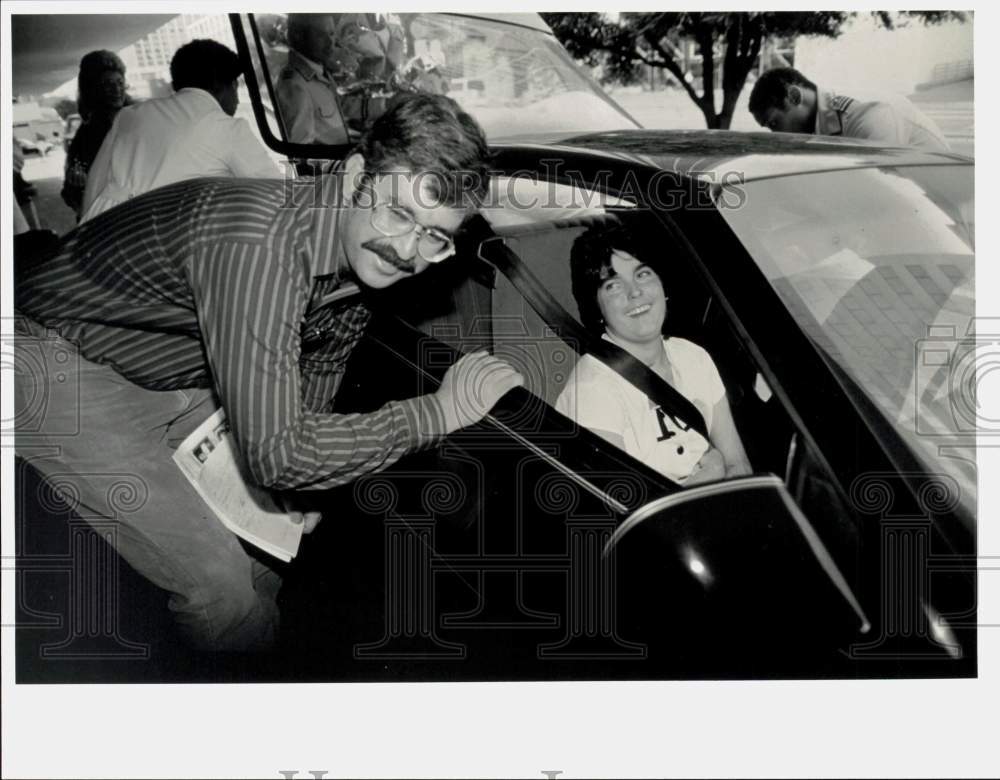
[(863, 100), (270, 191), (296, 68), (290, 73), (222, 197), (291, 85), (839, 102), (154, 109)]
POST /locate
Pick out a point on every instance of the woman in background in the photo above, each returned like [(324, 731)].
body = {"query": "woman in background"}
[(100, 95)]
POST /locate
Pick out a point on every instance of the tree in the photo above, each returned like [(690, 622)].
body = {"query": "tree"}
[(65, 107), (622, 47)]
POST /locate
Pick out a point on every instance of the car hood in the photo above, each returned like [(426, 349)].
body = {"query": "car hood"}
[(710, 153)]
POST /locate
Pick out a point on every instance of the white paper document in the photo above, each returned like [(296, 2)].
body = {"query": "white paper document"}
[(210, 460)]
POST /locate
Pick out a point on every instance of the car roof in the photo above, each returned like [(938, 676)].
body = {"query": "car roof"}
[(712, 154)]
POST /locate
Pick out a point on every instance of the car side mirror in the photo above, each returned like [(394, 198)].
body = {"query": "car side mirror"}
[(731, 567)]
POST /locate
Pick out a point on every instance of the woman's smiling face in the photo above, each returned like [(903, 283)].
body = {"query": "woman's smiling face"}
[(632, 300)]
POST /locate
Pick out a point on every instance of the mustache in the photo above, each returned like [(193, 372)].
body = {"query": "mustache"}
[(388, 254)]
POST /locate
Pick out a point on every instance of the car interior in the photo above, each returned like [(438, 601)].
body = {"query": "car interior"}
[(545, 354), (477, 307)]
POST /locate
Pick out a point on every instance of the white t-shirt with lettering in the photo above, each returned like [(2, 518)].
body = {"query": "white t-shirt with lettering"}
[(597, 397)]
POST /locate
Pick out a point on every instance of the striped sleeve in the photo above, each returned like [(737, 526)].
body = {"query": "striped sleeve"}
[(250, 299)]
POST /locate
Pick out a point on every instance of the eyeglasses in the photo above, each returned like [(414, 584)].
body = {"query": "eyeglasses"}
[(433, 245)]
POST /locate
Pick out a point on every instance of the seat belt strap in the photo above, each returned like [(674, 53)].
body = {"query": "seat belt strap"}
[(496, 252)]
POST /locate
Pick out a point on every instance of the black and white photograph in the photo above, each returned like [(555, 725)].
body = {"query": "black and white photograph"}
[(488, 393)]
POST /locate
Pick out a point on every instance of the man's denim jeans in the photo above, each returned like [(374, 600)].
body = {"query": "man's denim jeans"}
[(104, 445)]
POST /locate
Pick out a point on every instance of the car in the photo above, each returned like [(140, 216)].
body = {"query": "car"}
[(34, 147), (832, 283)]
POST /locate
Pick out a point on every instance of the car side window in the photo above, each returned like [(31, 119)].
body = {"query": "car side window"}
[(712, 362), (326, 77)]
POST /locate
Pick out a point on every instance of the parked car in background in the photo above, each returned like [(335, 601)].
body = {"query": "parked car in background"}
[(34, 147)]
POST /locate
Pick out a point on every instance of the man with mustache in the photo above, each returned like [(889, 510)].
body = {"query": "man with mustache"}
[(223, 293)]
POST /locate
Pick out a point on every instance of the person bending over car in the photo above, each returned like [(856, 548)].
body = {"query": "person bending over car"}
[(215, 293), (621, 298), (785, 101)]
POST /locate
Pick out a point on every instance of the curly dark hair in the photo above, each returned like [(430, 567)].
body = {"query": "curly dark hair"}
[(431, 135), (590, 266), (92, 66)]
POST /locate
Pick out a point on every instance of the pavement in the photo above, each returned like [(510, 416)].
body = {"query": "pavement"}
[(46, 173), (951, 106)]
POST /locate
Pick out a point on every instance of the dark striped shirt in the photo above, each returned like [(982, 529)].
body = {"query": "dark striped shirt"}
[(223, 283)]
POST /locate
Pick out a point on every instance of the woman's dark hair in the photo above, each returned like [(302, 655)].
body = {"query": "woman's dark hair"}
[(590, 266), (204, 64), (92, 66), (431, 135)]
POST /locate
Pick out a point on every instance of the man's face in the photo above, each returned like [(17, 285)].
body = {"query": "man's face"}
[(379, 260), (791, 117), (318, 41)]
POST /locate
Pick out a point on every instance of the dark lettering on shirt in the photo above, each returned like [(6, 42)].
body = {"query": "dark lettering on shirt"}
[(665, 432)]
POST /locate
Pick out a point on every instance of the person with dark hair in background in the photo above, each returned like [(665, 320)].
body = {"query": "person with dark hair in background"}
[(101, 95), (785, 101), (223, 293), (621, 298), (192, 133)]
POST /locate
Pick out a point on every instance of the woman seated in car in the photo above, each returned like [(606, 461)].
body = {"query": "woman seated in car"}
[(622, 299)]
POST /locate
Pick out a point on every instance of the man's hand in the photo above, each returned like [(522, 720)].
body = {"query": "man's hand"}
[(472, 386), (297, 508), (712, 466)]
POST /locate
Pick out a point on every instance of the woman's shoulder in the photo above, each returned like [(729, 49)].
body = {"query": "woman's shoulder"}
[(590, 369), (681, 350)]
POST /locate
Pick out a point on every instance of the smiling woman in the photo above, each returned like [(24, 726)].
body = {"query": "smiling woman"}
[(622, 298)]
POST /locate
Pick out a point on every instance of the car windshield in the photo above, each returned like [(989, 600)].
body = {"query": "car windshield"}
[(877, 266), (517, 81)]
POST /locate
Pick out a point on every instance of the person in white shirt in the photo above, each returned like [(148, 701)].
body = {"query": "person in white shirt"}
[(783, 100), (190, 134), (621, 297)]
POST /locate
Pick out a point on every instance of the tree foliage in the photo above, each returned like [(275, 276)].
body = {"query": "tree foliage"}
[(730, 41), (65, 107)]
